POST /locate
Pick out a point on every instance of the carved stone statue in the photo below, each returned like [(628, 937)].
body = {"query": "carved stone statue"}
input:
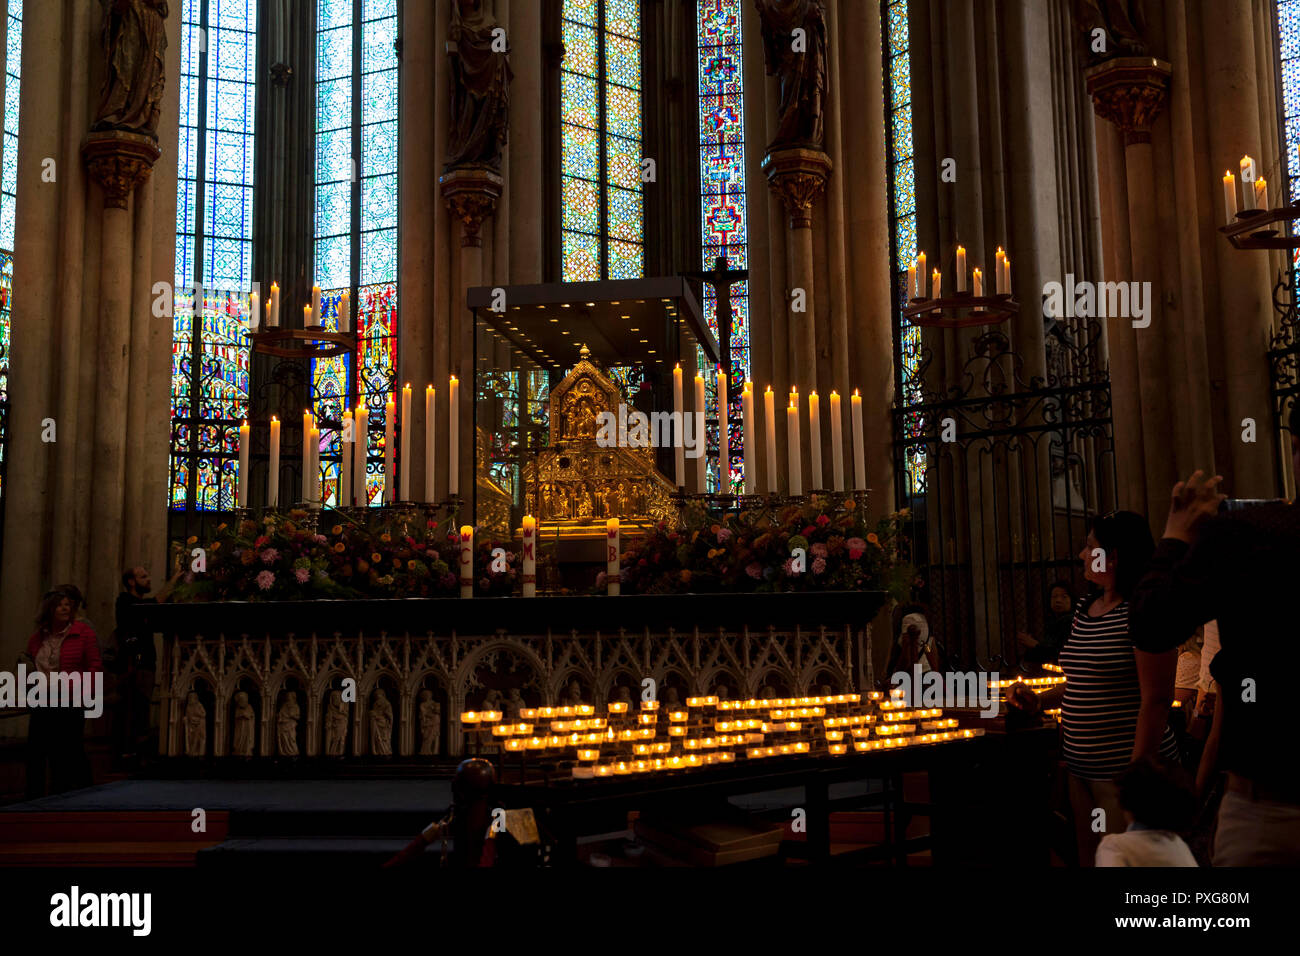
[(196, 726), (1124, 24), (573, 694), (492, 700), (381, 724), (286, 725), (336, 725), (622, 695), (480, 87), (798, 60), (514, 704), (430, 724), (134, 38), (672, 700), (245, 719)]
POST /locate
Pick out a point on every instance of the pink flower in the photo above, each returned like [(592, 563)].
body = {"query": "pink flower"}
[(823, 521), (320, 539), (819, 550), (819, 565), (754, 570), (270, 556), (265, 579), (788, 567), (302, 574), (857, 547), (723, 534)]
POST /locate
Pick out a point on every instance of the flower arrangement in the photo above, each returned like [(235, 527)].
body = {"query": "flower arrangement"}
[(825, 544), (282, 557)]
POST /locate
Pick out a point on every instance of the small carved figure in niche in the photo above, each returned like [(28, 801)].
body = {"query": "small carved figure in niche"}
[(196, 726), (825, 690), (800, 64), (492, 700), (336, 725), (602, 502), (573, 694), (722, 692), (1123, 21), (584, 501), (245, 718), (286, 725), (768, 692), (514, 704), (381, 724), (134, 38), (620, 500), (480, 87), (430, 724), (622, 695)]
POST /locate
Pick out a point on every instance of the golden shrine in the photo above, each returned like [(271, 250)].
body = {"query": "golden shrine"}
[(576, 482)]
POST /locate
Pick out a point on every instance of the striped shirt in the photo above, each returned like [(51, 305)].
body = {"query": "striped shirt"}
[(1099, 712)]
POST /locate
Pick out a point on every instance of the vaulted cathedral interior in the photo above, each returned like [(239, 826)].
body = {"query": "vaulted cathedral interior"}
[(765, 434)]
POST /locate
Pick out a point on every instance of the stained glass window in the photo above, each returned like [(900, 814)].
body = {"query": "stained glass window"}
[(724, 217), (600, 106), (1288, 37), (902, 217), (214, 244), (8, 190), (356, 221)]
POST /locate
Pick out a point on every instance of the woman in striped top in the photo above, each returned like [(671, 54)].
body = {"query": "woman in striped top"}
[(1116, 701)]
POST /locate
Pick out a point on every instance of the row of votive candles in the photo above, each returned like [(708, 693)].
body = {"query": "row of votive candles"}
[(311, 313), (794, 449), (691, 745), (916, 277), (1254, 189), (355, 441)]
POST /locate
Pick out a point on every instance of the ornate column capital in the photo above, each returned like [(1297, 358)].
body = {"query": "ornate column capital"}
[(119, 161), (798, 176), (471, 193), (1129, 91)]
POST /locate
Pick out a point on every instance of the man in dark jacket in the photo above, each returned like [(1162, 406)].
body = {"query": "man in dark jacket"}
[(1243, 569), (135, 664)]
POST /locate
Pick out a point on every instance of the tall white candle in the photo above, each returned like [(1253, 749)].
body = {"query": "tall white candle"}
[(273, 313), (1230, 195), (612, 557), (529, 542), (837, 443), (390, 453), (453, 438), (911, 279), (345, 311), (1261, 193), (751, 457), (361, 454), (306, 455), (405, 484), (315, 305), (347, 442), (724, 440), (921, 277), (1247, 183), (467, 561), (314, 488), (679, 417), (1006, 273), (273, 474), (936, 282), (769, 415), (701, 463), (977, 282), (795, 455), (859, 451), (254, 312), (815, 440), (243, 465), (430, 430), (961, 268), (997, 272)]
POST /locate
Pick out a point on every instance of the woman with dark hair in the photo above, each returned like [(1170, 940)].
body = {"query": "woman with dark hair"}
[(1115, 704), (55, 735)]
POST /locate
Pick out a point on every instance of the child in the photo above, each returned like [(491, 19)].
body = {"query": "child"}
[(1056, 627), (1156, 805)]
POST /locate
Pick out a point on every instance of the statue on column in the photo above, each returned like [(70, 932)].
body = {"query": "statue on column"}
[(336, 725), (134, 37), (794, 43), (1123, 22), (196, 726), (286, 725), (480, 87)]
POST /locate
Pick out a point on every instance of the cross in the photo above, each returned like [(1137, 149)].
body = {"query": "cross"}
[(722, 279)]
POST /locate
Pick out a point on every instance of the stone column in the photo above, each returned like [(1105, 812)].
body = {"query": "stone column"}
[(471, 194), (1130, 92), (798, 177)]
